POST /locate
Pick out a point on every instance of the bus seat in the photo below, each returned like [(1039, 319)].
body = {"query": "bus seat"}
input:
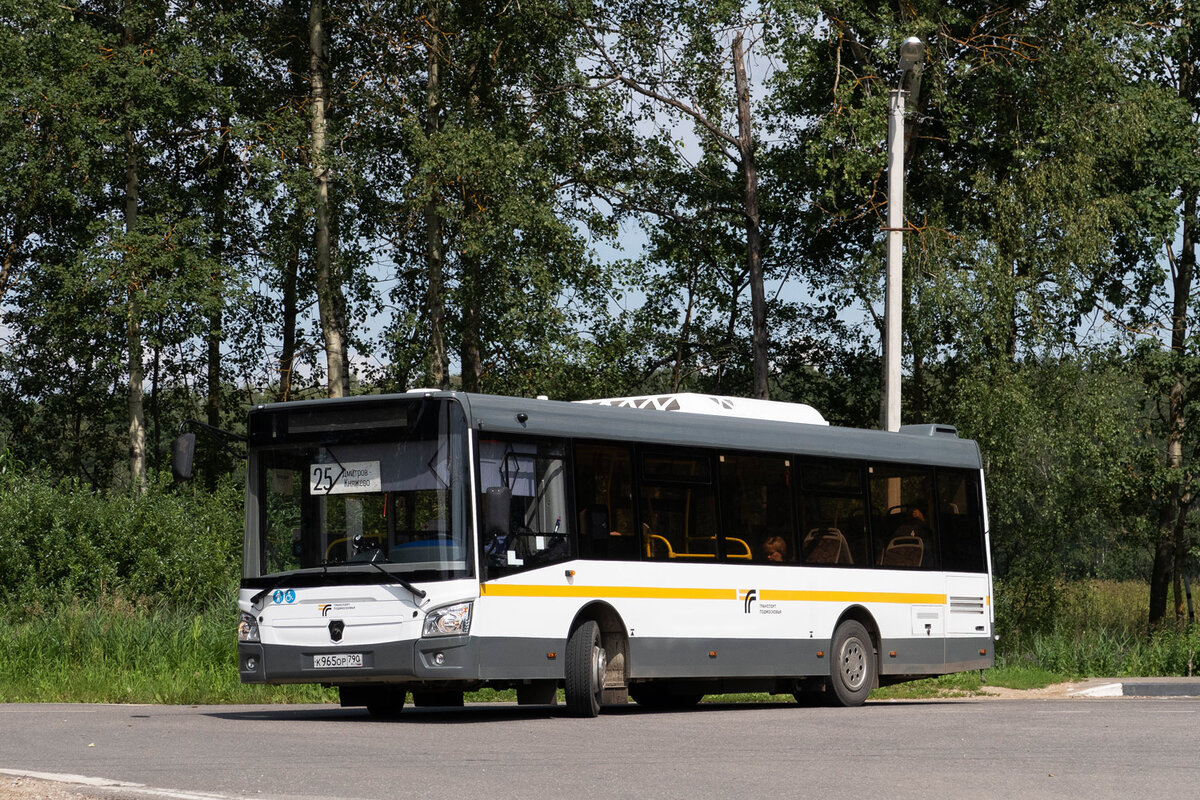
[(826, 546), (904, 551)]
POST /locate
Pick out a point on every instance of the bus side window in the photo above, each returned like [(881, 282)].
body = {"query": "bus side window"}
[(678, 507), (528, 480), (604, 502), (756, 509), (833, 518), (960, 521), (903, 523)]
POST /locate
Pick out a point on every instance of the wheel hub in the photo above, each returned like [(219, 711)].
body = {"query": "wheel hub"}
[(599, 667), (854, 664)]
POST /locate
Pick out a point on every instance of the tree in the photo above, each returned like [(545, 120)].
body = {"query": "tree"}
[(678, 63), (480, 189), (1170, 28), (329, 292)]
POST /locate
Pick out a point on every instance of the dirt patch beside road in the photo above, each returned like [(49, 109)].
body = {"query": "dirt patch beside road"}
[(18, 788), (1053, 691)]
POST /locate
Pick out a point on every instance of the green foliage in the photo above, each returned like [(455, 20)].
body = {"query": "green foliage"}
[(157, 213), (1099, 630), (108, 651), (66, 544), (1069, 469), (1113, 654)]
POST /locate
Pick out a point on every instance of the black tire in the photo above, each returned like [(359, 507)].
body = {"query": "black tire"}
[(584, 676), (659, 696), (538, 693), (386, 703), (811, 698), (438, 699), (852, 664)]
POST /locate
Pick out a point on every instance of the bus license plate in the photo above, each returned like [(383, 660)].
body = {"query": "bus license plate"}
[(336, 660)]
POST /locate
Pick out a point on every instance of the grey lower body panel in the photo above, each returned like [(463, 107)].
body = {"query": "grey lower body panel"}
[(476, 660), (728, 658), (931, 656), (449, 659)]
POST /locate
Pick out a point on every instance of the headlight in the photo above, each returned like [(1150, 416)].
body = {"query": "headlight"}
[(448, 620), (248, 628)]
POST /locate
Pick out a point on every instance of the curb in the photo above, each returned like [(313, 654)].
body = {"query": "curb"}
[(1142, 687)]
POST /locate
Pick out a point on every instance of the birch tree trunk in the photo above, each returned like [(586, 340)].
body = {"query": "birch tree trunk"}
[(435, 248), (137, 415), (290, 280), (217, 276), (1172, 533), (329, 291), (758, 299)]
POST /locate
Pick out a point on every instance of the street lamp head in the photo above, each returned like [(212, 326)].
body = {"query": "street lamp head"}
[(912, 55)]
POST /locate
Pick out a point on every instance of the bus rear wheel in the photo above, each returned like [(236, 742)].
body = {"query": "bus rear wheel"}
[(852, 671), (584, 674)]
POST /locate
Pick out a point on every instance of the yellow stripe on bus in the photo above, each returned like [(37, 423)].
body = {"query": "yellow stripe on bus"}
[(664, 593), (642, 592), (817, 596)]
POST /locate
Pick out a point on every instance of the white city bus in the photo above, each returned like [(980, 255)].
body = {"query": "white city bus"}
[(439, 542)]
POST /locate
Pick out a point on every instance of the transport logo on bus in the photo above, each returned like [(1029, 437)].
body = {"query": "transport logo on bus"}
[(748, 596), (325, 608)]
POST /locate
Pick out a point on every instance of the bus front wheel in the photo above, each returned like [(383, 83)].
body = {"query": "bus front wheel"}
[(385, 702), (852, 673), (584, 675)]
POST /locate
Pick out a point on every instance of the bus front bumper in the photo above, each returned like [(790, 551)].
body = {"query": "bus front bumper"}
[(450, 658)]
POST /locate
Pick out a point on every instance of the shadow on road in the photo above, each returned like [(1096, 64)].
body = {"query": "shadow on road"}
[(478, 713)]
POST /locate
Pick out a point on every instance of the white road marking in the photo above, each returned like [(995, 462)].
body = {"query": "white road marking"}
[(125, 786)]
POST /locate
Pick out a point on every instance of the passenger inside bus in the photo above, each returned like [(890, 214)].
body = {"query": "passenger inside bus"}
[(776, 549)]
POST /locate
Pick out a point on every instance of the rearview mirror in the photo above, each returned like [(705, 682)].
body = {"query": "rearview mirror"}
[(183, 453), (498, 507)]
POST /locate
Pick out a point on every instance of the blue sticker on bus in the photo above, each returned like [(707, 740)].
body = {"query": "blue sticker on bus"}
[(277, 596), (290, 595)]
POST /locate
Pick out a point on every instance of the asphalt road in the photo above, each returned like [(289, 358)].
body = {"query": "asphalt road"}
[(1056, 748)]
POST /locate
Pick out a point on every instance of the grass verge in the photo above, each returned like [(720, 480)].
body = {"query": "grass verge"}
[(113, 651)]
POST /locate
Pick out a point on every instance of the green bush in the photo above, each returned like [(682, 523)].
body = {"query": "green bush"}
[(66, 544), (112, 652)]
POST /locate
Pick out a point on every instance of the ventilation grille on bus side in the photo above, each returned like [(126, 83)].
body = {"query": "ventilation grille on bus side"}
[(966, 605)]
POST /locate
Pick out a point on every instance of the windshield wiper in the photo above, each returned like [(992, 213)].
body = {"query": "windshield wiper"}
[(276, 585), (417, 593)]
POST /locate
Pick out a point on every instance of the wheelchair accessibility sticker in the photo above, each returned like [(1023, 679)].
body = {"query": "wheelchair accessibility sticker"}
[(280, 596)]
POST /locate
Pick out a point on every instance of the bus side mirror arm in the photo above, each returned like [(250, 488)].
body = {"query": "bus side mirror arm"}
[(183, 449)]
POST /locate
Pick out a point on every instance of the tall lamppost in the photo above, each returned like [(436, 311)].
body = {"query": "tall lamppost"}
[(912, 57)]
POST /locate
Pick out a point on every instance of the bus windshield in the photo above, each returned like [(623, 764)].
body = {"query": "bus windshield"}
[(390, 496)]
